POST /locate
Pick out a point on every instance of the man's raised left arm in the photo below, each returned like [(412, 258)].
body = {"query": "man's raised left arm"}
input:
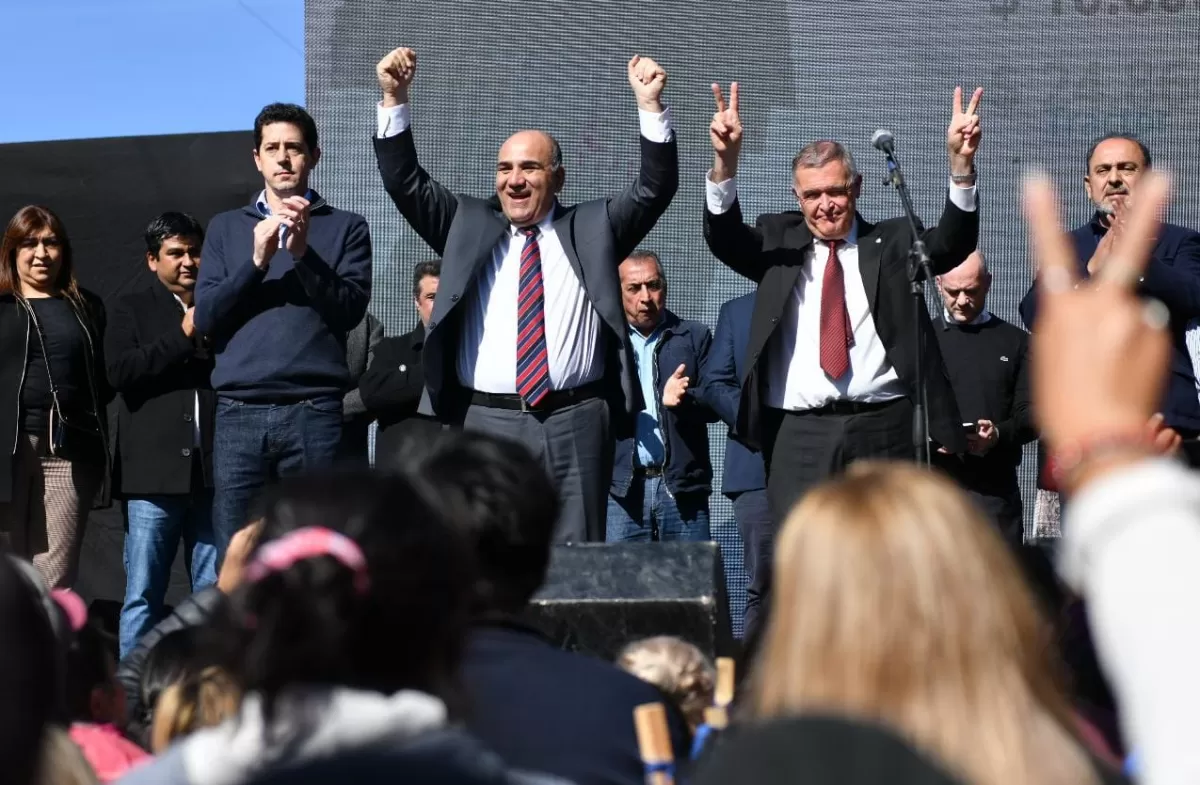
[(635, 211)]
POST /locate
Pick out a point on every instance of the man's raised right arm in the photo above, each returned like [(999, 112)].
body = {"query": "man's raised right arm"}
[(426, 204), (738, 246)]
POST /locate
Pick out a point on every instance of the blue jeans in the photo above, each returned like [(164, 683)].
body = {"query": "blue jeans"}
[(650, 513), (258, 443), (154, 526)]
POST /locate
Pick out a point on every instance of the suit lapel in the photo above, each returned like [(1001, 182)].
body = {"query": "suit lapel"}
[(564, 227), (870, 251)]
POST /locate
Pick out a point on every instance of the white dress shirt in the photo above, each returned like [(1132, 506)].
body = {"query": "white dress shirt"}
[(487, 354), (794, 378), (195, 396)]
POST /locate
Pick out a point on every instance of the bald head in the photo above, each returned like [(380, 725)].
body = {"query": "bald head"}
[(529, 175), (965, 288)]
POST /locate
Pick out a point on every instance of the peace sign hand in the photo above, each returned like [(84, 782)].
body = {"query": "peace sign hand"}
[(725, 131), (962, 137)]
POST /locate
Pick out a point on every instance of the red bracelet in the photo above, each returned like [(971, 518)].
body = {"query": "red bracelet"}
[(1067, 460)]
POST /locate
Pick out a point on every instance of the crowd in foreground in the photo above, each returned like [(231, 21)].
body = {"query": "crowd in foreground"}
[(367, 627)]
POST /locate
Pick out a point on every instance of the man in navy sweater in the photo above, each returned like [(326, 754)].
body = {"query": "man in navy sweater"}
[(284, 279), (1114, 165)]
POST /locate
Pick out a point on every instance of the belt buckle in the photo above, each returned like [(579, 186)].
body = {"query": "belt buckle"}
[(525, 407)]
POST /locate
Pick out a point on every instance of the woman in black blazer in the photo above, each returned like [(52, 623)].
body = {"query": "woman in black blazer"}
[(53, 440)]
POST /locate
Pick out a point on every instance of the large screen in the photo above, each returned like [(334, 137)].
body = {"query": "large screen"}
[(1056, 74)]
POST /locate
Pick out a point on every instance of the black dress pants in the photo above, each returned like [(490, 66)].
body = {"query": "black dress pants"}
[(804, 448)]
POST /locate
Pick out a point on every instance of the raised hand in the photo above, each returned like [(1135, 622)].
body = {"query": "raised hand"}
[(266, 240), (295, 214), (647, 78), (962, 137), (725, 132), (675, 388), (395, 73), (1100, 354)]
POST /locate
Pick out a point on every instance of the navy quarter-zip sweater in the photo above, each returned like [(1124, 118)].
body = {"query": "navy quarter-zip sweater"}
[(280, 335)]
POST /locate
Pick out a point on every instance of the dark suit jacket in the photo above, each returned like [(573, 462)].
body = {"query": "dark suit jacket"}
[(548, 710), (1172, 276), (723, 393), (463, 230), (158, 371), (391, 390), (356, 420), (772, 253)]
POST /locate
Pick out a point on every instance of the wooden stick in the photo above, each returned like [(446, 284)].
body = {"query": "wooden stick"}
[(654, 743)]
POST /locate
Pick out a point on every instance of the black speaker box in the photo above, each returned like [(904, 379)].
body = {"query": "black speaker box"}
[(599, 597)]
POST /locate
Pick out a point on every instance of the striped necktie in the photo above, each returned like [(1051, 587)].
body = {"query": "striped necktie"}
[(533, 362)]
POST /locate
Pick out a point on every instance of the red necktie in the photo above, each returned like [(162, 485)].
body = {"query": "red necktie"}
[(533, 362), (836, 333)]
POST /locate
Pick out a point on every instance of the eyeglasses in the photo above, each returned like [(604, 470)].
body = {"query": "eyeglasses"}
[(833, 192)]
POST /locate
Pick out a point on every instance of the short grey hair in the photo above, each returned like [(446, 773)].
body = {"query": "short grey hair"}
[(817, 154), (646, 255)]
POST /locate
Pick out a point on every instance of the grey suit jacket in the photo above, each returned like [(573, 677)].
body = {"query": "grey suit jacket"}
[(463, 230), (360, 350)]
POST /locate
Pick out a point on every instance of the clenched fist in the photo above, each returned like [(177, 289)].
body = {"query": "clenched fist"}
[(395, 73), (647, 78)]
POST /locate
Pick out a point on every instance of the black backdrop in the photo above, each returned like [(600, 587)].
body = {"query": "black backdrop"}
[(106, 191)]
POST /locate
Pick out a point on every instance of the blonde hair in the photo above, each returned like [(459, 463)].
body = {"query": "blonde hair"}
[(63, 763), (677, 668), (196, 701), (895, 601)]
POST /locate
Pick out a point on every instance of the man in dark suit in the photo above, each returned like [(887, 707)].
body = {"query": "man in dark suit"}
[(1115, 163), (160, 365), (528, 337), (831, 348), (539, 707), (745, 479), (986, 360), (391, 388)]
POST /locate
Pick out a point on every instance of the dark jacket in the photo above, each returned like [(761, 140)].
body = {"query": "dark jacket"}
[(361, 343), (772, 253), (159, 372), (722, 392), (280, 335), (192, 612), (16, 330), (686, 468), (463, 230), (391, 391), (544, 709), (1172, 276), (989, 371)]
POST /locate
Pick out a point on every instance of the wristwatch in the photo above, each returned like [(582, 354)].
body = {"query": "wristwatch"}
[(964, 179)]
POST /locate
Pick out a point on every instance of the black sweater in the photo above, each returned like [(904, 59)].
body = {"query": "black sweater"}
[(989, 372)]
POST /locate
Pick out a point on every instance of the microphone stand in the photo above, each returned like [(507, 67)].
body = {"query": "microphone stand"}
[(919, 271)]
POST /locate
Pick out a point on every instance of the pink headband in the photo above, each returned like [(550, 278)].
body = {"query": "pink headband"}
[(309, 543)]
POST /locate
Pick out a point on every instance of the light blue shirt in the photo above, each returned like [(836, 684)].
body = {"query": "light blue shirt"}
[(650, 450)]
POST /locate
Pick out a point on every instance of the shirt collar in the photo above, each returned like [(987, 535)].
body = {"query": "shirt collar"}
[(542, 225), (983, 317), (264, 208)]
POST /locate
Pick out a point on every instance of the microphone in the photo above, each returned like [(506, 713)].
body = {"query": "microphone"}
[(883, 141)]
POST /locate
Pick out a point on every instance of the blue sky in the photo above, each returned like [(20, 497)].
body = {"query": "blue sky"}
[(74, 69)]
